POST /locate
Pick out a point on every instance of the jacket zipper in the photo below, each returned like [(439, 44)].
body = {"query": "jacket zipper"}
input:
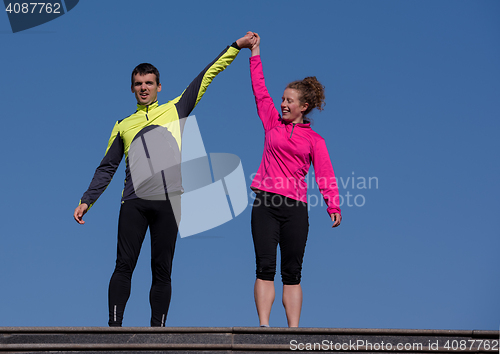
[(293, 126), (147, 111)]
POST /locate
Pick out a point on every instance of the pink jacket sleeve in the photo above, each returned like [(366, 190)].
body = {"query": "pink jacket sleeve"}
[(268, 114), (325, 177)]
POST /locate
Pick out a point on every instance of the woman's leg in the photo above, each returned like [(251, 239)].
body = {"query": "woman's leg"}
[(264, 297), (292, 301), (265, 233), (292, 245)]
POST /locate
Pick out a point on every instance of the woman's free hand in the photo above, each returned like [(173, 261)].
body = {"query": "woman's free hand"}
[(336, 218)]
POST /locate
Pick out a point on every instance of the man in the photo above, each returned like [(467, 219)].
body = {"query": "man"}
[(149, 199)]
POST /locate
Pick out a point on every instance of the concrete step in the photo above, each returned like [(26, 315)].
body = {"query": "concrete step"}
[(242, 340)]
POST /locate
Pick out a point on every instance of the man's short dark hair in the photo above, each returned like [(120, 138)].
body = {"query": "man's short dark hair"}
[(146, 68)]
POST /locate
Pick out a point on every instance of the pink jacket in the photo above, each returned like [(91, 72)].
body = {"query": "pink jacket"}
[(289, 150)]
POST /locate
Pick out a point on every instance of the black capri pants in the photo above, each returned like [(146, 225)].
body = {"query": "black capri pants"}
[(277, 219)]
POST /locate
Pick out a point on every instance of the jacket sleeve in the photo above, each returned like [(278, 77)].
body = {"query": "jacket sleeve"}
[(268, 114), (325, 177), (107, 168), (196, 89)]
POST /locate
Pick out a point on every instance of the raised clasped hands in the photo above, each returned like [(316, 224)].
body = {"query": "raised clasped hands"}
[(249, 40)]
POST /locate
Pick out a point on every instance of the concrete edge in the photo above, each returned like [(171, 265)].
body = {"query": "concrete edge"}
[(185, 347), (254, 330)]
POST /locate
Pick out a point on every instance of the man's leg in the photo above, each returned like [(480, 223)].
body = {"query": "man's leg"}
[(132, 226), (163, 229)]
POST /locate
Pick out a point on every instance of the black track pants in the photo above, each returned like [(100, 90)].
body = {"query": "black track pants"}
[(135, 217), (279, 220)]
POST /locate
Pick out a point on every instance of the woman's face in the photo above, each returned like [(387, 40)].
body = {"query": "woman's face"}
[(291, 109)]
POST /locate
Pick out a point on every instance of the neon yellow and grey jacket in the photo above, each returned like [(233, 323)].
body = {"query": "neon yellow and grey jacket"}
[(165, 119)]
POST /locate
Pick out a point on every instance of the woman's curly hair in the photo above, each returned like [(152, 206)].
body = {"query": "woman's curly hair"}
[(311, 91)]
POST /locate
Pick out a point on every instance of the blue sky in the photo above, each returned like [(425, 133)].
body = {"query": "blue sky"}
[(412, 98)]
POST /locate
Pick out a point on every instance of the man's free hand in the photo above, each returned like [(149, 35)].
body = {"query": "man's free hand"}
[(80, 212), (336, 218)]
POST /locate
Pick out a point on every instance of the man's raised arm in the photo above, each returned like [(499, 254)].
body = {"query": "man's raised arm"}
[(186, 102)]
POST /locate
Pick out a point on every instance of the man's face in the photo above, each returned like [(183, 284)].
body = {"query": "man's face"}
[(145, 88)]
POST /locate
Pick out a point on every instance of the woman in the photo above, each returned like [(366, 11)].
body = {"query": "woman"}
[(279, 214)]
